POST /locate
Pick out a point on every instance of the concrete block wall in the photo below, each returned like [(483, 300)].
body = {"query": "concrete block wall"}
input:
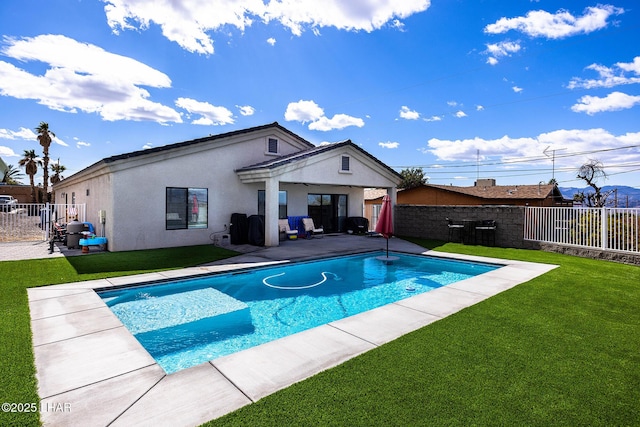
[(430, 222)]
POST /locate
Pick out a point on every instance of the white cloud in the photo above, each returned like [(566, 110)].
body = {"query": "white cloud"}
[(303, 111), (516, 89), (398, 25), (492, 61), (615, 101), (246, 110), (352, 16), (540, 23), (188, 22), (83, 77), (433, 119), (211, 115), (609, 76), (509, 148), (81, 144), (310, 112), (271, 41), (479, 107), (147, 146), (22, 133), (407, 113), (633, 67), (338, 121), (503, 48), (460, 114), (7, 152), (389, 144)]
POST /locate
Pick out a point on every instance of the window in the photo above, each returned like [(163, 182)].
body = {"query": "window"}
[(272, 146), (282, 203), (344, 165), (186, 208)]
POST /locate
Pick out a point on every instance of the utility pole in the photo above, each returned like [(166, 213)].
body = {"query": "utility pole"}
[(553, 160)]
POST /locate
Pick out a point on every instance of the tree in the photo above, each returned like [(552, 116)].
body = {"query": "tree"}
[(591, 172), (12, 175), (30, 163), (57, 170), (44, 138), (412, 177)]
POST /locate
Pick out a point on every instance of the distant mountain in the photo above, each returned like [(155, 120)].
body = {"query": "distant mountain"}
[(627, 197)]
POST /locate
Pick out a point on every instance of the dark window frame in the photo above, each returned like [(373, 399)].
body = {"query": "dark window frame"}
[(273, 146), (282, 207), (186, 208), (345, 163)]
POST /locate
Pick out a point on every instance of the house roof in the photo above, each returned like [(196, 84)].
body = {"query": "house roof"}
[(209, 138), (205, 139), (300, 155), (512, 192), (374, 193), (515, 192)]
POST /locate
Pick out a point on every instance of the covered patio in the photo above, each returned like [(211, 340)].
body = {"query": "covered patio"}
[(325, 183)]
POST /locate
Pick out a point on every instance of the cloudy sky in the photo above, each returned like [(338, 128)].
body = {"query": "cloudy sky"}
[(464, 89)]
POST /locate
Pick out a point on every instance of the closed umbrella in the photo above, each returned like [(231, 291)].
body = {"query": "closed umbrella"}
[(384, 225)]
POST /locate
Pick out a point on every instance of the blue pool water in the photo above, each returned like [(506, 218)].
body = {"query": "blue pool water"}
[(186, 322)]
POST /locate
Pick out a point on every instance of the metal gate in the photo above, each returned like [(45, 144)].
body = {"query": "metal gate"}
[(29, 222)]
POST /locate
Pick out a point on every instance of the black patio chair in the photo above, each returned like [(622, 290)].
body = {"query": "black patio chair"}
[(455, 227), (486, 230)]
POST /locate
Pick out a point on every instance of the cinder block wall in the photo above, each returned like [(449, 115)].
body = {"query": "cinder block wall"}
[(430, 222)]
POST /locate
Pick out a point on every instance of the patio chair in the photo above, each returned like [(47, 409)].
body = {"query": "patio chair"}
[(487, 231), (285, 231), (310, 228), (455, 227)]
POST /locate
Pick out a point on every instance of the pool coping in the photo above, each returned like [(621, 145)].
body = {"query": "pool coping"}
[(92, 371)]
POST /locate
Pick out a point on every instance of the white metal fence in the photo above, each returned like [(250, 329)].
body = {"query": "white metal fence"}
[(601, 228), (33, 221)]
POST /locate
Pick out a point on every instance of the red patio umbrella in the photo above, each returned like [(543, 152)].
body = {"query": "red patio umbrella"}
[(384, 225)]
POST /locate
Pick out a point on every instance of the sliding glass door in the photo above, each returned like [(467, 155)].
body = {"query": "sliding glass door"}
[(328, 210)]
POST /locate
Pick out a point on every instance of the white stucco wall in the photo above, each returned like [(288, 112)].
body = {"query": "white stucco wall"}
[(94, 191), (133, 189)]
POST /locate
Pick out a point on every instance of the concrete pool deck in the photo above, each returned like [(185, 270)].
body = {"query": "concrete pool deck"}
[(91, 371)]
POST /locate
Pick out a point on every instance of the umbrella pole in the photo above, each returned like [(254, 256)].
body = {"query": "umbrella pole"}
[(387, 248)]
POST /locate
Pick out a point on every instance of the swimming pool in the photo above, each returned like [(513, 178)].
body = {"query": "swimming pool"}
[(186, 322)]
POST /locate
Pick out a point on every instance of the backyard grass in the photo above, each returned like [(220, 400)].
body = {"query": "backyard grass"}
[(17, 370), (562, 349)]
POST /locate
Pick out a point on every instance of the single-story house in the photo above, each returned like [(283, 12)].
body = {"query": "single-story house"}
[(185, 193)]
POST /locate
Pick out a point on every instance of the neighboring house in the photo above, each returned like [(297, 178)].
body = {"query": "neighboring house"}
[(182, 194), (20, 192), (484, 193)]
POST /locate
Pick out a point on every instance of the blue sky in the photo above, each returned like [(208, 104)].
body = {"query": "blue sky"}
[(464, 89)]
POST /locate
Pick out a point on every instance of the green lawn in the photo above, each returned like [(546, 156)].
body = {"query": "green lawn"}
[(17, 371), (562, 349)]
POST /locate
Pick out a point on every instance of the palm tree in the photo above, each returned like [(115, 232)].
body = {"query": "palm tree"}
[(57, 170), (44, 137), (30, 162), (12, 175)]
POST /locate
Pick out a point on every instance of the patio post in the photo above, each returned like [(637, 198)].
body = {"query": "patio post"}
[(271, 233)]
